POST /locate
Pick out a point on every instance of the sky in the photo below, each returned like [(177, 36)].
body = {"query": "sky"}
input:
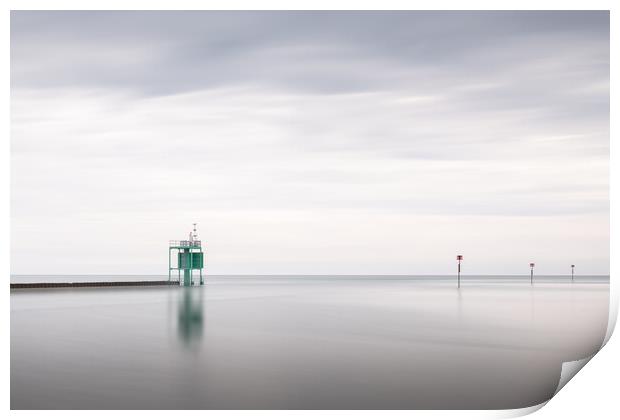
[(310, 142)]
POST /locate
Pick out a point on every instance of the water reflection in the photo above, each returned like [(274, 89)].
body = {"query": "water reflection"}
[(295, 343), (190, 319)]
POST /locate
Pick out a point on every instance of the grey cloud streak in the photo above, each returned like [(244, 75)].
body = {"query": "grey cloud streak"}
[(171, 52)]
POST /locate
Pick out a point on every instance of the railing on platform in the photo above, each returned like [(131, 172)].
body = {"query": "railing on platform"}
[(186, 244)]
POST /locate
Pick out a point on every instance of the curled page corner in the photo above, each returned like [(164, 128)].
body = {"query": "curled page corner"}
[(570, 369)]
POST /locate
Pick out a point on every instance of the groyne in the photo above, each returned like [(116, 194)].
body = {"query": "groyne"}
[(93, 284)]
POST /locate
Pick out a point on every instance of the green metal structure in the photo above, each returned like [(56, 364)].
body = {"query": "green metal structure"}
[(189, 257)]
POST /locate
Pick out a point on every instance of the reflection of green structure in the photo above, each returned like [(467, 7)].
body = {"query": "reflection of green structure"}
[(190, 315), (189, 258)]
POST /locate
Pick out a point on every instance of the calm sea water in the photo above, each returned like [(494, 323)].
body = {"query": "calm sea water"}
[(302, 342)]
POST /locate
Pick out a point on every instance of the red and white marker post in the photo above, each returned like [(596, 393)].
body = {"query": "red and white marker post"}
[(459, 258)]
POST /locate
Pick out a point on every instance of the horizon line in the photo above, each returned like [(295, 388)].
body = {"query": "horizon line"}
[(315, 275)]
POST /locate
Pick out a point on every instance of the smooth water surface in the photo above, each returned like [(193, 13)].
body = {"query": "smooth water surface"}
[(302, 342)]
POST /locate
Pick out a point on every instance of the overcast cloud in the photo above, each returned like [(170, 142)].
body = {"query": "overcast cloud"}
[(310, 142)]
